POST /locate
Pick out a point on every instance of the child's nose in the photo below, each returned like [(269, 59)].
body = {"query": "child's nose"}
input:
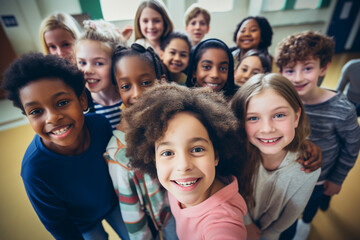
[(299, 75), (184, 162), (214, 72), (53, 116), (88, 68), (267, 126), (137, 91)]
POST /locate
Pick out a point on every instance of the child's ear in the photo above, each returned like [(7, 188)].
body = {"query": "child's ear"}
[(208, 29), (324, 69), (297, 117), (216, 159), (83, 101), (161, 54)]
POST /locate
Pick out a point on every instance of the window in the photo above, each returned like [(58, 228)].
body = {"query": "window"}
[(115, 10), (216, 5), (269, 5)]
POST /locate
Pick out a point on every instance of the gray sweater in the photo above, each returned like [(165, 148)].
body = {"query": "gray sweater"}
[(335, 129), (280, 196)]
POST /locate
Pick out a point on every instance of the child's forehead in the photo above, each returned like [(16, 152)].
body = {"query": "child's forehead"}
[(294, 62)]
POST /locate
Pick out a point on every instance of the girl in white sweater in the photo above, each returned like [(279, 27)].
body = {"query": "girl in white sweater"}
[(276, 126)]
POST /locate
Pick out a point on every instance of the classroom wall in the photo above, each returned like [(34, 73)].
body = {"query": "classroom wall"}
[(29, 14), (287, 22)]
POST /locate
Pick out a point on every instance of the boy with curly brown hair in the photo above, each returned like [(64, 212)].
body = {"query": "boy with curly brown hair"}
[(304, 58)]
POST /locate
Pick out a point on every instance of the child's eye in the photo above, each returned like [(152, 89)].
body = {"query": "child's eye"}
[(206, 67), (172, 53), (279, 115), (52, 47), (252, 119), (197, 149), (307, 69), (253, 30), (99, 63), (82, 63), (166, 153), (35, 111), (146, 83), (125, 87), (289, 71), (63, 103), (223, 69), (202, 23), (157, 20), (255, 72), (66, 44), (183, 55)]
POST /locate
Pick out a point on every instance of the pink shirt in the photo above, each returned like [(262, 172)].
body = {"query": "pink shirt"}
[(218, 217)]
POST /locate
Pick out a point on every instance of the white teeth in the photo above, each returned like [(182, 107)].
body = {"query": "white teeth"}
[(212, 84), (269, 141), (186, 184), (61, 131), (91, 80)]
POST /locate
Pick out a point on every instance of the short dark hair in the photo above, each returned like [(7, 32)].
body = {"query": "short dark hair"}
[(230, 87), (265, 31), (148, 120), (174, 35), (31, 67)]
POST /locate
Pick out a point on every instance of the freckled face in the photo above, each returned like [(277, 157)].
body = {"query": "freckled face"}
[(185, 159), (212, 69)]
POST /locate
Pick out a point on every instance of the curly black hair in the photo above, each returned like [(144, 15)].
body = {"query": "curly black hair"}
[(31, 67), (149, 117), (265, 31), (230, 88)]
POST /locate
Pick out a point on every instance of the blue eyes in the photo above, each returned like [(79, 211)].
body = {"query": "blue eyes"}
[(279, 115)]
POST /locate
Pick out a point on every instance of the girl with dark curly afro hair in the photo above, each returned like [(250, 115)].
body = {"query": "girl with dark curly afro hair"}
[(189, 139)]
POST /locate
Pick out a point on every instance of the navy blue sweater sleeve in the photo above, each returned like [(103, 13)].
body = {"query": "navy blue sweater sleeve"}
[(51, 211)]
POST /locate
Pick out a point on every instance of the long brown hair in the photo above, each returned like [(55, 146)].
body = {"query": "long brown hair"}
[(239, 105), (158, 7)]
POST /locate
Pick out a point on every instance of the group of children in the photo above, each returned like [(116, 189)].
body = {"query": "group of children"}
[(206, 144)]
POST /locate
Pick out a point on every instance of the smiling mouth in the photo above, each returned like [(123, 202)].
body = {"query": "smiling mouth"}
[(186, 184), (91, 81), (269, 140), (61, 130)]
